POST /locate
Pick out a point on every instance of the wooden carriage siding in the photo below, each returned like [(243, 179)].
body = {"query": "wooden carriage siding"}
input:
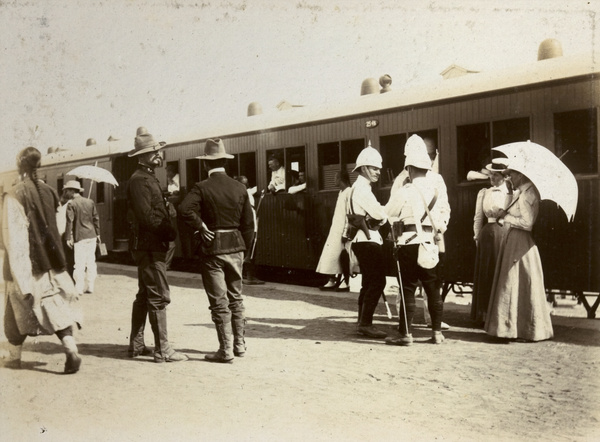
[(293, 227), (534, 92)]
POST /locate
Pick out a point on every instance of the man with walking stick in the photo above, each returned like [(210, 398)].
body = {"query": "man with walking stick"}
[(421, 208)]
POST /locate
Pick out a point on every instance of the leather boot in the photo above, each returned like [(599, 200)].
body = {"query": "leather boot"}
[(73, 360), (14, 357), (225, 353), (136, 338), (162, 349), (239, 343)]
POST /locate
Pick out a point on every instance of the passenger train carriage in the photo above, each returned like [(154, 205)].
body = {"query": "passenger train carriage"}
[(553, 102)]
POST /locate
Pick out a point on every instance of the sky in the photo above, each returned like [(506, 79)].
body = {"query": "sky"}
[(78, 69)]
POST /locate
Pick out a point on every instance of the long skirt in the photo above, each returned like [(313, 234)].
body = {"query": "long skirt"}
[(518, 307), (490, 241)]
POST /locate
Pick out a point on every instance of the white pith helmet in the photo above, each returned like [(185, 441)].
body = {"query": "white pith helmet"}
[(369, 156), (415, 151)]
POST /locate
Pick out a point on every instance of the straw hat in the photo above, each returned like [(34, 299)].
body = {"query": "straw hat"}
[(73, 184)]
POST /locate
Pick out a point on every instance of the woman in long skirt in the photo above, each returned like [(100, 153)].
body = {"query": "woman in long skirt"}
[(518, 308), (488, 235)]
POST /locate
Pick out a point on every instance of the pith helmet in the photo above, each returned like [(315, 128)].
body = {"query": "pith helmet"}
[(369, 156), (145, 143), (416, 153), (214, 149)]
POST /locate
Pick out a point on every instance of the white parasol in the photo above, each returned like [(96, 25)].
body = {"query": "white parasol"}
[(94, 173), (553, 180)]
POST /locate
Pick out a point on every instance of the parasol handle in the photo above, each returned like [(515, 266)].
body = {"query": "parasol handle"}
[(92, 182)]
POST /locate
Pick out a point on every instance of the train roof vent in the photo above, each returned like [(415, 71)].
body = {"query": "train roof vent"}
[(254, 108), (369, 86), (52, 149), (141, 131), (385, 81), (454, 71), (549, 48), (90, 142)]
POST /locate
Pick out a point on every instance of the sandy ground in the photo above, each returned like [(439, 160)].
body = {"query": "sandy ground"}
[(306, 376)]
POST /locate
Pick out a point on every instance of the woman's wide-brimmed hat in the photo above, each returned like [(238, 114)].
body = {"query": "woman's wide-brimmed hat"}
[(145, 143), (214, 149), (73, 184)]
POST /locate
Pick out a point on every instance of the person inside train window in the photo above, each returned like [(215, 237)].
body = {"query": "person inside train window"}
[(277, 183), (172, 179), (298, 183)]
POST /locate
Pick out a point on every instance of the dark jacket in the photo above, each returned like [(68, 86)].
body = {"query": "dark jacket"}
[(223, 204), (148, 217), (83, 221), (40, 202)]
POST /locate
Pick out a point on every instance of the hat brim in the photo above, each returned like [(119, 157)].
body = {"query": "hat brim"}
[(490, 169), (159, 146), (78, 189), (217, 156)]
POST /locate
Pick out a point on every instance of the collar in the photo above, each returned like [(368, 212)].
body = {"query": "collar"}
[(216, 170), (525, 187), (146, 168), (361, 181)]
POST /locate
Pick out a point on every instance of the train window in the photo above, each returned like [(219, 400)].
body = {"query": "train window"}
[(350, 150), (275, 161), (474, 147), (329, 164), (295, 165), (100, 195), (192, 172), (335, 155), (173, 182), (576, 139), (243, 164), (232, 167), (60, 183), (392, 153), (247, 166), (510, 131), (474, 141)]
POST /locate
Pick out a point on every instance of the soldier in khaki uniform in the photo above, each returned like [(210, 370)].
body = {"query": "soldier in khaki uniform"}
[(219, 211)]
